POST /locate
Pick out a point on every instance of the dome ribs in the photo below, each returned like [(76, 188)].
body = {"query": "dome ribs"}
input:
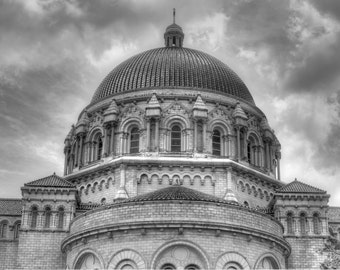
[(172, 67)]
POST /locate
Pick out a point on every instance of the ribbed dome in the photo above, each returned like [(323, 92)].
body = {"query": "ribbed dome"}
[(174, 68)]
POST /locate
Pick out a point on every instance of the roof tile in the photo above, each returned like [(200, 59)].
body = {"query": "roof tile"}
[(299, 187), (10, 207), (50, 181)]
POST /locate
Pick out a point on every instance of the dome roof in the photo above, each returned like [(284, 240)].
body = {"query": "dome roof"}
[(174, 27), (179, 193), (172, 68)]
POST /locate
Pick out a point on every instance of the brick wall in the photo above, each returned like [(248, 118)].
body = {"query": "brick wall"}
[(175, 210), (305, 252), (40, 250), (147, 245), (8, 253)]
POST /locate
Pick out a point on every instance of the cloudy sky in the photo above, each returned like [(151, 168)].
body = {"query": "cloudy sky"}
[(54, 54)]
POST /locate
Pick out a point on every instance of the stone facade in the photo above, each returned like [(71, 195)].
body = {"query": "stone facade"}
[(171, 166)]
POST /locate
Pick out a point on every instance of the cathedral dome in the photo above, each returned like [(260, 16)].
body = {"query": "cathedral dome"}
[(173, 67)]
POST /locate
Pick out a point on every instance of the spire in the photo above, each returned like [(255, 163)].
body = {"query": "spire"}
[(173, 35)]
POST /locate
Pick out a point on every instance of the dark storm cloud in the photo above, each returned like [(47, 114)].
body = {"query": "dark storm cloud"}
[(318, 72), (54, 53), (329, 7), (327, 155)]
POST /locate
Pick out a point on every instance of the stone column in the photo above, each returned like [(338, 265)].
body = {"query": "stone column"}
[(204, 136), (112, 139), (278, 157), (157, 135), (89, 146), (195, 136), (80, 154), (104, 149), (267, 155), (76, 153), (66, 160), (147, 135), (121, 139), (238, 157)]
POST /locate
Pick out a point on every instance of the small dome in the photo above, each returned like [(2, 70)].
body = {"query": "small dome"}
[(178, 193), (174, 28)]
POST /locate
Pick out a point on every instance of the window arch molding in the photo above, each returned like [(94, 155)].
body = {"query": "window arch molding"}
[(47, 216), (303, 223), (275, 261), (16, 229), (290, 222), (254, 148), (4, 227), (86, 252), (225, 145), (224, 127), (127, 124), (232, 257), (60, 217), (170, 120), (125, 129), (198, 249), (126, 255), (93, 139), (33, 221)]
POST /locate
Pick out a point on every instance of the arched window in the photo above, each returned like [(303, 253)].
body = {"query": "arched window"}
[(252, 156), (232, 266), (216, 143), (176, 138), (316, 224), (47, 217), (34, 217), (192, 267), (88, 261), (246, 204), (16, 230), (99, 148), (268, 263), (303, 223), (134, 140), (3, 229), (60, 217), (289, 223), (168, 266), (126, 265), (103, 201)]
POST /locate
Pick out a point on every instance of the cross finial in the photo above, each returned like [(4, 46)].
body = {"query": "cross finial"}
[(174, 14)]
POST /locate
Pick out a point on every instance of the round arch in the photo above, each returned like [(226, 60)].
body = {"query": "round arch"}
[(92, 256), (126, 255), (93, 132), (232, 258), (129, 123), (157, 261), (221, 125), (173, 119), (267, 261), (253, 133)]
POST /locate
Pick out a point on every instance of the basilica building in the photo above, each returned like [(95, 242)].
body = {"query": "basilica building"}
[(170, 166)]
